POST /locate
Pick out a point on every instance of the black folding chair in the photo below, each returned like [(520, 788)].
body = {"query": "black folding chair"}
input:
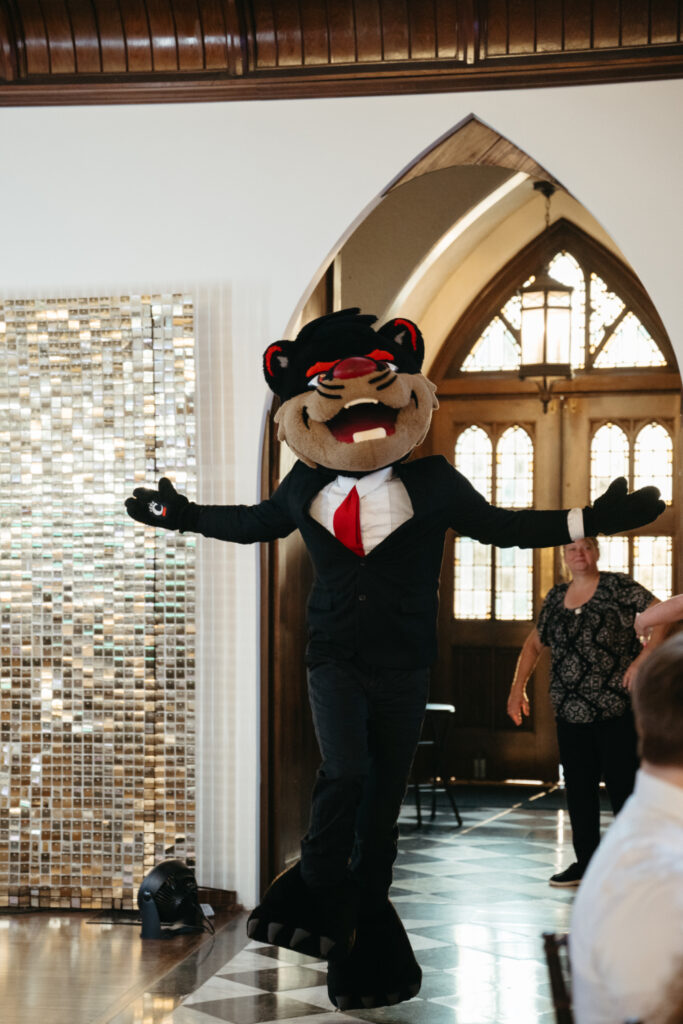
[(437, 724), (557, 960)]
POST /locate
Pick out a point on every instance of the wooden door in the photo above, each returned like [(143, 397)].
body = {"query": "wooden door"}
[(289, 750), (478, 654)]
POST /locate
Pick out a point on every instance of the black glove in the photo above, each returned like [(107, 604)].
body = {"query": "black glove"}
[(165, 507), (617, 510)]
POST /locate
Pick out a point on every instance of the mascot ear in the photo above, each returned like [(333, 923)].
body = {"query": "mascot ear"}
[(275, 365), (406, 338)]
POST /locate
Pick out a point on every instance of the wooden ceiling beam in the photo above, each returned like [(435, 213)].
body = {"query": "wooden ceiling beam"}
[(99, 51)]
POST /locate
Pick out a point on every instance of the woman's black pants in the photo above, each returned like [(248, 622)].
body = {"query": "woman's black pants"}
[(590, 752)]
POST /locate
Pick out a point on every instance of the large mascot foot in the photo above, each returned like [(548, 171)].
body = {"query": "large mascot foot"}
[(320, 922), (381, 969)]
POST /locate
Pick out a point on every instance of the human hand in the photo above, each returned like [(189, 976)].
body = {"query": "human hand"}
[(164, 507), (630, 676), (518, 706), (642, 632)]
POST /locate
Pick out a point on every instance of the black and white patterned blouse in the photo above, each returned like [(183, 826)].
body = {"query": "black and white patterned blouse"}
[(591, 647)]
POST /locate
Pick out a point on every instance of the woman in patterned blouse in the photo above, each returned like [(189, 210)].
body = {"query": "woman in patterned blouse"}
[(588, 624)]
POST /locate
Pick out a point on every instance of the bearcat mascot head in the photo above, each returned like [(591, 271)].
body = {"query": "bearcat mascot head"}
[(353, 398)]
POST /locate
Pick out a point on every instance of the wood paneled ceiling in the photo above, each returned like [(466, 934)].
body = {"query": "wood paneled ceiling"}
[(123, 51)]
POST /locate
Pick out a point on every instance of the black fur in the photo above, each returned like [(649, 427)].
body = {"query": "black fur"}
[(338, 336)]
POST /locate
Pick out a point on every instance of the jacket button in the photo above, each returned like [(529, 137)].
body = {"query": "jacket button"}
[(361, 597), (362, 562)]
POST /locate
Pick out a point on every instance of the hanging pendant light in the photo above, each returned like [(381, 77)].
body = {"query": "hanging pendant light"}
[(545, 333)]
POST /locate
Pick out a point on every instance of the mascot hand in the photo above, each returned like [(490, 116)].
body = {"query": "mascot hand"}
[(165, 507), (617, 510)]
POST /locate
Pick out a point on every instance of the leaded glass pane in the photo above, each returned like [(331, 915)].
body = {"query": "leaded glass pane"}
[(652, 561), (630, 345), (613, 554), (605, 308), (496, 349), (512, 311), (609, 458), (654, 459), (514, 583), (564, 268), (515, 469), (472, 575), (474, 459)]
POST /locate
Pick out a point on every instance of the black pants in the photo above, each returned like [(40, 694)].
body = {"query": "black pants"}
[(591, 752), (367, 721)]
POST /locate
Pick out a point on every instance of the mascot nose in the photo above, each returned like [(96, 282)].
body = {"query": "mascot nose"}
[(354, 366)]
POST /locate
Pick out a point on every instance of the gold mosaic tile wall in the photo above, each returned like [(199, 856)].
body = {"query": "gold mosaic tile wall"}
[(97, 613)]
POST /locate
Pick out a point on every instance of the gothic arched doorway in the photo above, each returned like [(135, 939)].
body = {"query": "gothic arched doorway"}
[(619, 415)]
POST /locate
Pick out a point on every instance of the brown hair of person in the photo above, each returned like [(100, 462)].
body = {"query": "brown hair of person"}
[(658, 704)]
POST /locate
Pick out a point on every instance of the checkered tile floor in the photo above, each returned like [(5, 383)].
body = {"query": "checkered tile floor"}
[(474, 901)]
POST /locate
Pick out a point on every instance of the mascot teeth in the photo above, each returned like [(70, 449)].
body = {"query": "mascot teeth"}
[(362, 401), (369, 435), (363, 419)]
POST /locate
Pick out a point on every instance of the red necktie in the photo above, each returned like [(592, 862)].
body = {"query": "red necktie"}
[(346, 523)]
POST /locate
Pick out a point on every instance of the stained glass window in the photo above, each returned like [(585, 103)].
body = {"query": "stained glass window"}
[(472, 573), (605, 308), (565, 269), (514, 583), (613, 554), (472, 569), (652, 561), (514, 489), (629, 345), (653, 459), (605, 333), (609, 458), (474, 459), (476, 587), (515, 469), (496, 349)]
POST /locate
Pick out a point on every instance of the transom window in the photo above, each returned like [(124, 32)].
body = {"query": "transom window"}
[(606, 333)]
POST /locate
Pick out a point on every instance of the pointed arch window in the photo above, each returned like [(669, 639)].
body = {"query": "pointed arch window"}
[(501, 587), (609, 457), (643, 453), (607, 331)]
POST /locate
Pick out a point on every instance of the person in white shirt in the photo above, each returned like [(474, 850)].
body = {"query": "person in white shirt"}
[(626, 937)]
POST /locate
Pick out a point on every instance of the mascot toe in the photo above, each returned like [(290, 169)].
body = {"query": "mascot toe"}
[(318, 922), (381, 969)]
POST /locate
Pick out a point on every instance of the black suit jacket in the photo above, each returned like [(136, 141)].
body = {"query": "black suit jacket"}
[(382, 607)]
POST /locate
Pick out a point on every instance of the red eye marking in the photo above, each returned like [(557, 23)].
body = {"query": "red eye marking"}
[(381, 355), (320, 368), (411, 328), (269, 358)]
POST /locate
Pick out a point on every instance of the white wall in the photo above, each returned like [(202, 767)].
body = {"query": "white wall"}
[(251, 197)]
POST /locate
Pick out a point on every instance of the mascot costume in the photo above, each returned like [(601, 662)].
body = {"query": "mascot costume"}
[(353, 406)]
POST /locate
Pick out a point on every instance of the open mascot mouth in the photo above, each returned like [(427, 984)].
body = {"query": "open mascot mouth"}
[(363, 420)]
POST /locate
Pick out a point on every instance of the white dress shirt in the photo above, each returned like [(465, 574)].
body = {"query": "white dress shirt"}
[(626, 940), (384, 504)]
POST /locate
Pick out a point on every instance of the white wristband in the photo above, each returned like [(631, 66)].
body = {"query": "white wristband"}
[(575, 523)]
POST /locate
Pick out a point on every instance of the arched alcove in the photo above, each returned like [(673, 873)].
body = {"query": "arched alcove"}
[(445, 242), (619, 415)]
